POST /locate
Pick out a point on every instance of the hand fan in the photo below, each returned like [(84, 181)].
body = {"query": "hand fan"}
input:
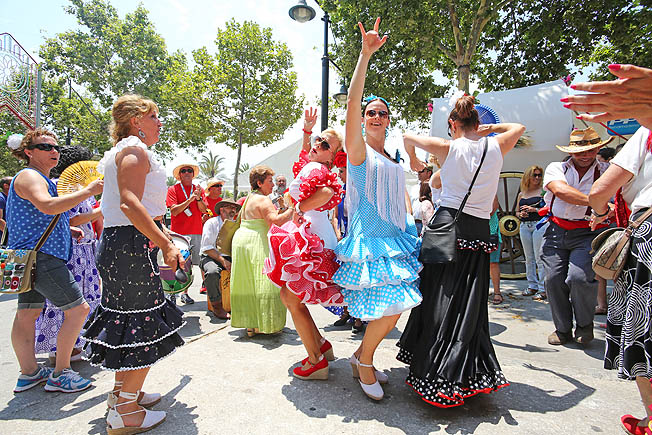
[(77, 176), (487, 115)]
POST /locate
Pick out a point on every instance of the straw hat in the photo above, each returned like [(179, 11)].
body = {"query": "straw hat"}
[(176, 170), (212, 182), (583, 140), (224, 203)]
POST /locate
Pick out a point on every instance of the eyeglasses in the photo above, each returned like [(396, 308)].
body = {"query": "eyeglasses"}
[(537, 175), (187, 170), (44, 147), (381, 113), (322, 143)]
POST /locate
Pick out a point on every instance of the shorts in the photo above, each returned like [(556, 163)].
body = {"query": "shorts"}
[(54, 282)]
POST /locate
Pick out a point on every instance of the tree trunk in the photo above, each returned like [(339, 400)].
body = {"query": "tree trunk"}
[(237, 169), (463, 74)]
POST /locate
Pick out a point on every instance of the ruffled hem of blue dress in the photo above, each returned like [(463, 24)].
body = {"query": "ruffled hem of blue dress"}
[(375, 302), (380, 272), (362, 248)]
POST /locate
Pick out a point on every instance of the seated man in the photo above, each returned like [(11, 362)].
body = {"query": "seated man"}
[(211, 261)]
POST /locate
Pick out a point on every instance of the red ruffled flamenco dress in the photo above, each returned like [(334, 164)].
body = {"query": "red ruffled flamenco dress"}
[(301, 257)]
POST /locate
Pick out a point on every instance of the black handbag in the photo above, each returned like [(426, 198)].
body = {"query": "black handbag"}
[(439, 244)]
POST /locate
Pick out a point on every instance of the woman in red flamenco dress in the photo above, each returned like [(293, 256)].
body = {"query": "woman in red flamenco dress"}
[(301, 260)]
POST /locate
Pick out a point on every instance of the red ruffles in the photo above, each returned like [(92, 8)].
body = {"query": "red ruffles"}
[(317, 178), (299, 164), (299, 261)]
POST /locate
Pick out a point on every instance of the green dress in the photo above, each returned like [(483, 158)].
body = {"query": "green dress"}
[(255, 300)]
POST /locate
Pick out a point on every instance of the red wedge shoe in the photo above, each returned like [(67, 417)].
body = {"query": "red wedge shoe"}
[(326, 349), (309, 372)]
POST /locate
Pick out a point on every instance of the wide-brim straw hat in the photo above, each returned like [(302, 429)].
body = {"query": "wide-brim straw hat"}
[(583, 140), (212, 182), (226, 202), (176, 170)]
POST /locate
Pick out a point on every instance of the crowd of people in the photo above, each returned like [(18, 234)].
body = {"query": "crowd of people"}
[(355, 245)]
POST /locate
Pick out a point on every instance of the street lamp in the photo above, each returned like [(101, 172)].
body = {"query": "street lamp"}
[(342, 95), (302, 13)]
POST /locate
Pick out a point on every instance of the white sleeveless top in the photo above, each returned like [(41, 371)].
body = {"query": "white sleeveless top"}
[(458, 170), (155, 186)]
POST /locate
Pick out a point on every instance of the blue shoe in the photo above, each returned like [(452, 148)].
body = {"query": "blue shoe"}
[(25, 382), (68, 381)]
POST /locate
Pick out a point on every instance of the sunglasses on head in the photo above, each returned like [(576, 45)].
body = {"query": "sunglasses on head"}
[(44, 147), (188, 170), (381, 113), (322, 143)]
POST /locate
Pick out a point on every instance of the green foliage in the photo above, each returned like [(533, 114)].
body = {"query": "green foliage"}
[(210, 166), (108, 57), (9, 124), (244, 94), (170, 181)]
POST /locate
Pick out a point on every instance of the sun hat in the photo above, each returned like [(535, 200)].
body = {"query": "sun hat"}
[(583, 140), (176, 170)]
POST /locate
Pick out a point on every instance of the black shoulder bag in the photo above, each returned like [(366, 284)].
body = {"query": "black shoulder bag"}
[(439, 245)]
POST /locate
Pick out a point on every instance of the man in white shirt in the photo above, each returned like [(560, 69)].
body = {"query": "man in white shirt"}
[(211, 261), (279, 191), (569, 278)]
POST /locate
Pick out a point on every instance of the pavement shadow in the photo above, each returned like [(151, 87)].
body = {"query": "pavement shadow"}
[(192, 328), (286, 336), (337, 396)]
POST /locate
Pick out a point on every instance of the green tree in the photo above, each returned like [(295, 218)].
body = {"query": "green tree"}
[(210, 166), (243, 95), (9, 124), (499, 43), (109, 56), (170, 181)]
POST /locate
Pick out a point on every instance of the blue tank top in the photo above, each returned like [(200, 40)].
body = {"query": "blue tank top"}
[(26, 224)]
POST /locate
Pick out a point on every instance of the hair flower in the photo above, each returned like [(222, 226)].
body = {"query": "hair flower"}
[(14, 141), (340, 159)]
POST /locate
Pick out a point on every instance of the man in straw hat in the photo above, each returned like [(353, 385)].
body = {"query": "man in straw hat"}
[(570, 282), (186, 203), (214, 188), (212, 261)]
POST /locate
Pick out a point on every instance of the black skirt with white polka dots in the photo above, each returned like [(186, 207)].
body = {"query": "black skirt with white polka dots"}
[(446, 340)]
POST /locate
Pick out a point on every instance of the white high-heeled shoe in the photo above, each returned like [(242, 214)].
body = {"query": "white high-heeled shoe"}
[(373, 391), (115, 425), (380, 376), (148, 400)]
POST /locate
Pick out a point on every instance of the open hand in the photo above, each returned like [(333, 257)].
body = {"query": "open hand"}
[(629, 96), (309, 118), (371, 41)]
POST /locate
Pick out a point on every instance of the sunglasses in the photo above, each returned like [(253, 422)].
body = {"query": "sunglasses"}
[(424, 170), (187, 170), (44, 147), (537, 175), (381, 113), (322, 143)]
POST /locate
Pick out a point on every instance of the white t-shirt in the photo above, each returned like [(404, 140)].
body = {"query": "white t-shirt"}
[(320, 224), (209, 233), (565, 171), (635, 158), (458, 170)]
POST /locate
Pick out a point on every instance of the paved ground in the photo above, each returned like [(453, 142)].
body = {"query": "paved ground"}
[(223, 382)]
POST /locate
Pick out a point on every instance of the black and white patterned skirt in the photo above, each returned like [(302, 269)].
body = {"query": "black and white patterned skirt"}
[(134, 326), (629, 346)]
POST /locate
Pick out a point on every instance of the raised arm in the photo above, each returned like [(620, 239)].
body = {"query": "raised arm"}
[(434, 145), (355, 146), (309, 121), (508, 134)]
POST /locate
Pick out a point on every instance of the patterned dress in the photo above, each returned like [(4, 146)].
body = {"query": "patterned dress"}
[(379, 271), (82, 266)]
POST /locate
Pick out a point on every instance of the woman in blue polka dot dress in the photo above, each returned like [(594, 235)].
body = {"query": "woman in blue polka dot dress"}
[(81, 263), (379, 271)]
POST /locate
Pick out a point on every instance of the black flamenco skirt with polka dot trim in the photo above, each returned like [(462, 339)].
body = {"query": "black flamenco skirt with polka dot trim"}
[(446, 340), (134, 326)]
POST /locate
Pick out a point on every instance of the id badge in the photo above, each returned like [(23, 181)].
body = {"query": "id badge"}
[(188, 212)]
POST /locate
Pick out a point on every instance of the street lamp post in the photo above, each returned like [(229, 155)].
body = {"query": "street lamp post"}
[(302, 13)]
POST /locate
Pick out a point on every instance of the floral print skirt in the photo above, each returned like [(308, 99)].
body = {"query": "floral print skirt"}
[(134, 326)]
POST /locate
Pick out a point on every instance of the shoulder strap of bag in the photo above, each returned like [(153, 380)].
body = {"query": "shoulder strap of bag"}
[(48, 231), (477, 171), (635, 224), (244, 204), (3, 238)]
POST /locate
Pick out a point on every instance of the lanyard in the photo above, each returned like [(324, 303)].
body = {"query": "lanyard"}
[(184, 190)]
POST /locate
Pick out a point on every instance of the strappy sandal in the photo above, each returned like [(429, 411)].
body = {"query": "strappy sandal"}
[(373, 391), (381, 377), (497, 299), (147, 401), (116, 426)]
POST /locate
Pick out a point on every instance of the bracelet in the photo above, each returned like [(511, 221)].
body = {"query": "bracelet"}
[(297, 209), (596, 214), (306, 132)]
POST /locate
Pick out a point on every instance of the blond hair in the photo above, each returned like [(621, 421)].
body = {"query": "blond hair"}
[(28, 140), (259, 174), (527, 177), (332, 132), (126, 108)]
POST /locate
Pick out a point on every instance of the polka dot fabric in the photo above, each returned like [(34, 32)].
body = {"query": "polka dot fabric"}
[(379, 270), (26, 224)]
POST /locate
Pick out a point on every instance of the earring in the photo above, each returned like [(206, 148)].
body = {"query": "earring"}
[(362, 125), (141, 134), (386, 132)]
